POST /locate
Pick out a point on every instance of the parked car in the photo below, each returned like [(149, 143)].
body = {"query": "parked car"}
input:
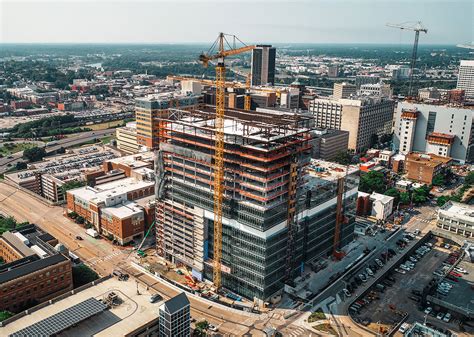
[(447, 317), (379, 262), (363, 277), (440, 315), (460, 270), (155, 298), (428, 310), (347, 292), (404, 327), (212, 328), (400, 271), (78, 237), (369, 271)]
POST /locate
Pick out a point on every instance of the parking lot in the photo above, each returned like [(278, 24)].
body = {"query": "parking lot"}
[(398, 294)]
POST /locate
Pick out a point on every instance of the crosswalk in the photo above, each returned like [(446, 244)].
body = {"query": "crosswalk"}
[(295, 331), (96, 260)]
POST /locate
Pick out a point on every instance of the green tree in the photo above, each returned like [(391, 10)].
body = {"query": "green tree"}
[(34, 154), (4, 314), (469, 180), (372, 181), (439, 180), (420, 195), (393, 192), (404, 198), (442, 200), (71, 185), (9, 223), (21, 165), (82, 274), (343, 158)]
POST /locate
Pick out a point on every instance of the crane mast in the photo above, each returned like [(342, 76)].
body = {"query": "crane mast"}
[(417, 28), (219, 142)]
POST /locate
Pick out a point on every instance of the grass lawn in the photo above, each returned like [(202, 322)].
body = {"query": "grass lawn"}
[(106, 140), (325, 327), (7, 149), (316, 316)]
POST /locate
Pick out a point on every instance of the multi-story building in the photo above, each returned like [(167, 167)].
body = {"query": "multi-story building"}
[(127, 138), (118, 209), (263, 65), (175, 317), (376, 89), (333, 70), (466, 78), (148, 111), (328, 143), (34, 271), (366, 79), (363, 118), (424, 167), (431, 93), (456, 218), (439, 129), (343, 90), (266, 156)]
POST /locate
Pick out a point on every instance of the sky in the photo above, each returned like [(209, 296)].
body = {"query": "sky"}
[(253, 21)]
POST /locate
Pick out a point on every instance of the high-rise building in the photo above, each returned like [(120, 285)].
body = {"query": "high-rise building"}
[(149, 109), (466, 77), (366, 79), (127, 138), (440, 129), (344, 90), (333, 70), (262, 153), (263, 65), (364, 118), (175, 317)]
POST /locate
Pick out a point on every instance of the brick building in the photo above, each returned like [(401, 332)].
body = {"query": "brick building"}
[(423, 167), (34, 271), (118, 209)]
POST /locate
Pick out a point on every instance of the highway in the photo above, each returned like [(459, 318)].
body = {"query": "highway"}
[(6, 163)]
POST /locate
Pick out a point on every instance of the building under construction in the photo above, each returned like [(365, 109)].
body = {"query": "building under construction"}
[(276, 216)]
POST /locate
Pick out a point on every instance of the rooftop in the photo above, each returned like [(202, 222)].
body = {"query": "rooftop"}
[(429, 159), (175, 304), (124, 210), (384, 199), (329, 170), (132, 313), (108, 191), (143, 159), (457, 210)]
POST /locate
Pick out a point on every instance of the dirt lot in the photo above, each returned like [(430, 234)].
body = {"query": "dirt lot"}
[(387, 311)]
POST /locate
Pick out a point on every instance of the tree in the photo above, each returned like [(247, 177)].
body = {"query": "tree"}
[(4, 314), (343, 158), (71, 185), (372, 182), (21, 165), (469, 180), (439, 180), (404, 198), (34, 154), (393, 192), (442, 200), (420, 195), (82, 274)]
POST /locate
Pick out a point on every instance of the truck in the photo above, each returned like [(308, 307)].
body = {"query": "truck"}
[(92, 232)]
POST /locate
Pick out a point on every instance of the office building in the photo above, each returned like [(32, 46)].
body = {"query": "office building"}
[(333, 71), (466, 78), (34, 271), (376, 89), (328, 143), (343, 90), (440, 129), (456, 218), (363, 118), (366, 79), (175, 317), (118, 209), (148, 110), (426, 94), (262, 153), (127, 138), (263, 65), (424, 167)]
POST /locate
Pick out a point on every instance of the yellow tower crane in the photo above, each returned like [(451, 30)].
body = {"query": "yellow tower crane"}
[(219, 55), (248, 98)]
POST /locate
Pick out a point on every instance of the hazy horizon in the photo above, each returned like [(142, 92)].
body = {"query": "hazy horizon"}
[(449, 22)]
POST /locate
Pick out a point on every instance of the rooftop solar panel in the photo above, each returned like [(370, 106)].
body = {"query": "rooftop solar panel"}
[(63, 319)]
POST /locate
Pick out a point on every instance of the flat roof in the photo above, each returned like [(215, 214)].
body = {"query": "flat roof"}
[(64, 319), (104, 191), (458, 211), (134, 160), (328, 170), (122, 211), (20, 270), (132, 313)]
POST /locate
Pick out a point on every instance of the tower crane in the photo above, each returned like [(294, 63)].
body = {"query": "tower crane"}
[(417, 27), (219, 55)]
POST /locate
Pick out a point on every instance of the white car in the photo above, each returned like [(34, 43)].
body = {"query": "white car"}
[(428, 310), (346, 292), (212, 328), (369, 271), (440, 315), (400, 271), (429, 244), (404, 327), (460, 270), (363, 277), (404, 267), (447, 317)]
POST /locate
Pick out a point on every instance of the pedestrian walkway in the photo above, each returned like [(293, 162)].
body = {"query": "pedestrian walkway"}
[(94, 261)]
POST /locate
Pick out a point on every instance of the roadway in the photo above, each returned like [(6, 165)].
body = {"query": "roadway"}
[(7, 162)]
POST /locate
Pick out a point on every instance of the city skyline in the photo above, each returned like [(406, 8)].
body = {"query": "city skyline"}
[(300, 21)]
